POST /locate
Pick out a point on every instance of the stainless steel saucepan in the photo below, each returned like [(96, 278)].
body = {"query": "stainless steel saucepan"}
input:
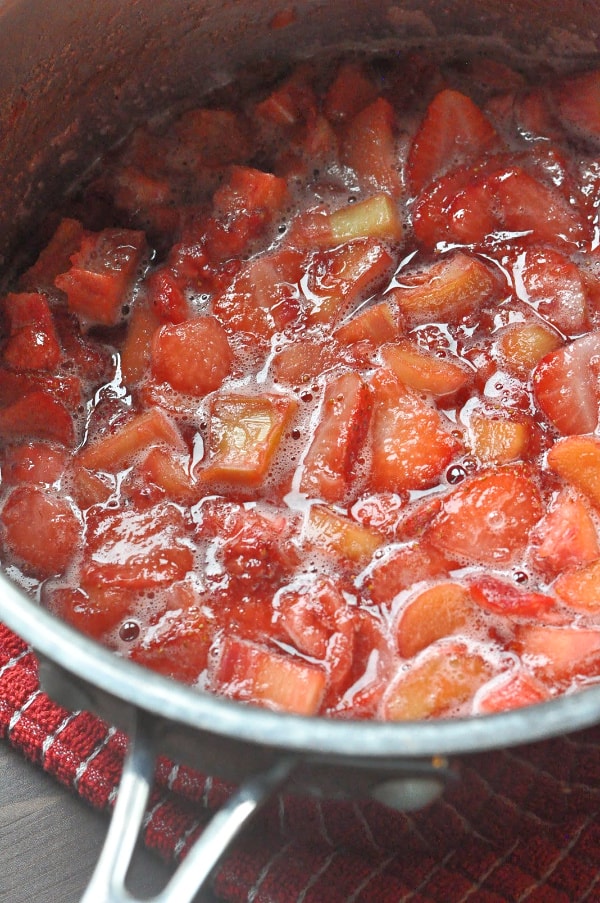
[(74, 75)]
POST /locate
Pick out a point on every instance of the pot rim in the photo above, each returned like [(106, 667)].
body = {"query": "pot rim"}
[(161, 697)]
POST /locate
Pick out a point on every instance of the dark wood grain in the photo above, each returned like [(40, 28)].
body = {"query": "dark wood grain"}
[(50, 840)]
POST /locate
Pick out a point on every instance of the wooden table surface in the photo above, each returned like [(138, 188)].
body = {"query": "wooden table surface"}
[(50, 840)]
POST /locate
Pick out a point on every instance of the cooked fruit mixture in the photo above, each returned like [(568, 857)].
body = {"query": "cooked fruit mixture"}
[(299, 402)]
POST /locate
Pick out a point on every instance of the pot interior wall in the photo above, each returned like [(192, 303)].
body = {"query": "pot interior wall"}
[(77, 74)]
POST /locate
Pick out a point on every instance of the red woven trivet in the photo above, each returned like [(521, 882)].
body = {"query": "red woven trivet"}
[(519, 825)]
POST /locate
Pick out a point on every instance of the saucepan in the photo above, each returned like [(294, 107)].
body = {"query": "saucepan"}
[(74, 76)]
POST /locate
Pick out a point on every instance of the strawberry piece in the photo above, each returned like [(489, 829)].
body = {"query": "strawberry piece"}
[(577, 100), (469, 206), (245, 434), (526, 113), (577, 460), (350, 92), (33, 343), (438, 683), (411, 445), (341, 277), (55, 257), (580, 588), (193, 357), (101, 275), (166, 297), (452, 289), (243, 207), (178, 644), (318, 621), (254, 673), (402, 567), (425, 372), (437, 612), (15, 385), (502, 598), (256, 551), (565, 385), (519, 689), (559, 653), (264, 296), (88, 358), (553, 285), (136, 549), (488, 518), (454, 131), (94, 613), (37, 415), (381, 511), (34, 462), (458, 207), (327, 467), (41, 531), (527, 205), (566, 536), (151, 427), (369, 148)]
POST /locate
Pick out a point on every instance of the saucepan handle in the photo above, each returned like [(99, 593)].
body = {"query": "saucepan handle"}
[(108, 882)]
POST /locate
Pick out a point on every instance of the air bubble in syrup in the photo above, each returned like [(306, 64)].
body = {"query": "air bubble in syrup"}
[(129, 631)]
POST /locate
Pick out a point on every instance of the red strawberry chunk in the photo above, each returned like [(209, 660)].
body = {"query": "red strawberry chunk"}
[(566, 536), (453, 132), (264, 297), (136, 549), (502, 598), (559, 653), (457, 207), (513, 692), (41, 530), (166, 296), (401, 567), (94, 612), (178, 644), (33, 343), (527, 205), (554, 286), (565, 385), (194, 357), (244, 206), (411, 444), (470, 206), (55, 258), (327, 468), (37, 415), (34, 462), (369, 147), (488, 518), (101, 275)]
